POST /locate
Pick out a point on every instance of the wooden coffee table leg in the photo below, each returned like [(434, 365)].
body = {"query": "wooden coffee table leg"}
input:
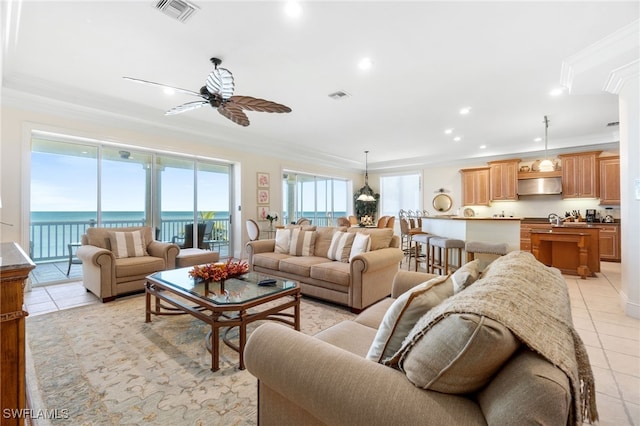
[(242, 330), (296, 312), (215, 342)]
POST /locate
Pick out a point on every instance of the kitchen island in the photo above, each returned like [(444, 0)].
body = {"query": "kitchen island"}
[(571, 251), (486, 229)]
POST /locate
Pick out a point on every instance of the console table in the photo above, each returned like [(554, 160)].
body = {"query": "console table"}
[(15, 266)]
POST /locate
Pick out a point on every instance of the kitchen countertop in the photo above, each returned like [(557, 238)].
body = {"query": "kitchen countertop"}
[(452, 217), (544, 220)]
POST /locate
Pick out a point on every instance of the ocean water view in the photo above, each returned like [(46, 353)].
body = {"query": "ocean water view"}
[(51, 232), (84, 216)]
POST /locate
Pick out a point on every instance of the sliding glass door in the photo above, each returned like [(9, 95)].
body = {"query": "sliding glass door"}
[(76, 185), (319, 199), (176, 202), (64, 196)]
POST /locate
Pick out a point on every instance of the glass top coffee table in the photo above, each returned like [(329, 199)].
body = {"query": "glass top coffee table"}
[(236, 303)]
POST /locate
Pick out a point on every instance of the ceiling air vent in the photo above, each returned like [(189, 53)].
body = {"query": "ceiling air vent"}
[(340, 94), (177, 9)]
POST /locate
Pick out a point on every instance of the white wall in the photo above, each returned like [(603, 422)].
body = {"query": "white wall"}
[(15, 155), (630, 180)]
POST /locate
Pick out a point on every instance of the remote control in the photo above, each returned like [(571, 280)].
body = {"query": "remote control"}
[(267, 282)]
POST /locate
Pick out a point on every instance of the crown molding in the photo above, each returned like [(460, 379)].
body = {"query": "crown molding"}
[(620, 75), (611, 52)]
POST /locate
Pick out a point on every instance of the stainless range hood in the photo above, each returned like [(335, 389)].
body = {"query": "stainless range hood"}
[(540, 186)]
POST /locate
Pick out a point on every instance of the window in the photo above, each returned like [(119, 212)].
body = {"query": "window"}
[(319, 199), (400, 192), (76, 184)]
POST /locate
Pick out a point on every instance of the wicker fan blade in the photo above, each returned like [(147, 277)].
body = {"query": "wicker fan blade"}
[(164, 86), (220, 81), (255, 104), (234, 114), (186, 107)]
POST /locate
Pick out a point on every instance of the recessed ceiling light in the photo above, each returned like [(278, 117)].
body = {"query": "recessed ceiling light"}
[(448, 131), (365, 64), (465, 110), (557, 91), (457, 139), (537, 140), (293, 9), (483, 146), (169, 91)]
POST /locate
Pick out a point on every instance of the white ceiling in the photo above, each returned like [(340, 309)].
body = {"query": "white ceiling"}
[(429, 60)]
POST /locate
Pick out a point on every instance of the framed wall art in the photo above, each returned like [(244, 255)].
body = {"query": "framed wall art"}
[(263, 211), (263, 180), (263, 196)]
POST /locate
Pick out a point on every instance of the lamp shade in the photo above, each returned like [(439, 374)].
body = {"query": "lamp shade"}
[(366, 197), (546, 166)]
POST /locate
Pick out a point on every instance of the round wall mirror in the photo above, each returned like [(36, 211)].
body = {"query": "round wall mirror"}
[(442, 203)]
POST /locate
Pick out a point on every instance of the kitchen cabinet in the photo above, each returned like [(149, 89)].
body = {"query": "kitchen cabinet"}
[(609, 170), (610, 242), (503, 178), (475, 186), (580, 175)]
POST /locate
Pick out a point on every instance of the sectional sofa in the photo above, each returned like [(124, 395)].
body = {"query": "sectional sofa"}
[(499, 350)]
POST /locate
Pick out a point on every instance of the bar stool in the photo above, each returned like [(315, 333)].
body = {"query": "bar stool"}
[(419, 240), (445, 246), (488, 250)]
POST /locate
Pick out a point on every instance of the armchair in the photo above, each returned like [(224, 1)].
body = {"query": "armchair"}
[(109, 273)]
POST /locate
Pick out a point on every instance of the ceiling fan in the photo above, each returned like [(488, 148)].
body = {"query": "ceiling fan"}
[(218, 92)]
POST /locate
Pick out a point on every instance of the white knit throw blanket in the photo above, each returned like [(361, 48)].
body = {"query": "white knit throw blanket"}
[(531, 300)]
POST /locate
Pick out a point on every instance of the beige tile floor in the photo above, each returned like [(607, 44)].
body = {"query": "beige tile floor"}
[(611, 337)]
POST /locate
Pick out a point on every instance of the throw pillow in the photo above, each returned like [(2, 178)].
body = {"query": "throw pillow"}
[(340, 247), (302, 242), (283, 240), (458, 354), (466, 275), (403, 314), (128, 244), (361, 244)]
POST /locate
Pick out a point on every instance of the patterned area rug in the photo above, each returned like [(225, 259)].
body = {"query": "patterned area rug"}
[(103, 365)]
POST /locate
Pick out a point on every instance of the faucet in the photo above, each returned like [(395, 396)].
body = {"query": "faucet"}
[(557, 219)]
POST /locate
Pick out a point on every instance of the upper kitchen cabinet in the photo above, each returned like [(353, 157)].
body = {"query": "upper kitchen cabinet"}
[(475, 186), (580, 175), (609, 168), (503, 178)]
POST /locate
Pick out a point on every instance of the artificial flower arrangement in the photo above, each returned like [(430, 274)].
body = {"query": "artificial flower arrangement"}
[(271, 216), (220, 270)]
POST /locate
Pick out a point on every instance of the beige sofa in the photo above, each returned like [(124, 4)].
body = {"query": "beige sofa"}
[(326, 379), (107, 275), (357, 283)]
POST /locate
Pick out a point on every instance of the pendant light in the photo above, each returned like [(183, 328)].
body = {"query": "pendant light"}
[(546, 165), (366, 193)]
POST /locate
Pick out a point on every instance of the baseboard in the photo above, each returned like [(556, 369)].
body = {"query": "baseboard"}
[(630, 308)]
